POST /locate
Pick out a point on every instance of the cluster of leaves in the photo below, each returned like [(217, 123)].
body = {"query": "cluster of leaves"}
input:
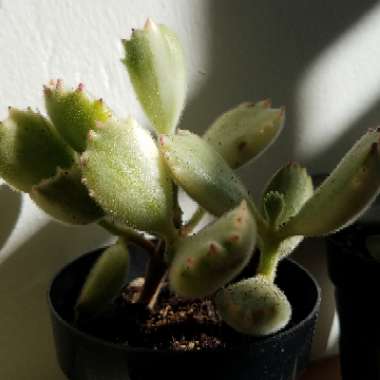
[(85, 165)]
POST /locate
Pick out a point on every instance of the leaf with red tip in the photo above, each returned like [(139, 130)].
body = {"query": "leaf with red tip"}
[(156, 67), (344, 195), (74, 114), (245, 132), (210, 259), (30, 149)]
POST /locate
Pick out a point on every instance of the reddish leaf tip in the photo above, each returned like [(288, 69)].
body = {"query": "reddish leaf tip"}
[(267, 103), (213, 249), (59, 84), (80, 87), (234, 238), (190, 262)]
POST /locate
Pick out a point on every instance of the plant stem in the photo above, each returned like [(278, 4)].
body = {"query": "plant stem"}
[(153, 300), (154, 276), (129, 234), (269, 259), (188, 228)]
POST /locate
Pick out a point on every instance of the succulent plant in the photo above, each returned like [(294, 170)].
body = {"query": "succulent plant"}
[(82, 164)]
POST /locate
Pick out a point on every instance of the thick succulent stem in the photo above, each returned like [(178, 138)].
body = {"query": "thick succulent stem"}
[(154, 276), (128, 234), (269, 259)]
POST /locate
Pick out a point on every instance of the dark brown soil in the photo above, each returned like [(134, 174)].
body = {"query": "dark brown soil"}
[(175, 324)]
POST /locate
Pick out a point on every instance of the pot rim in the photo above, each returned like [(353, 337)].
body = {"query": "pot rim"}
[(263, 340)]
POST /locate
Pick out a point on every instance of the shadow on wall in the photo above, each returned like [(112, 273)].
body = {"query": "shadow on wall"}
[(261, 49), (336, 149), (10, 206), (24, 278)]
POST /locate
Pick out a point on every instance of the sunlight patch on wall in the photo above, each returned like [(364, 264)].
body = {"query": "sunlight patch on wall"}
[(340, 86)]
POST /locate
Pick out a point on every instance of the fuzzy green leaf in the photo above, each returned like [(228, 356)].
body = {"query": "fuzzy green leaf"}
[(202, 172), (30, 149), (73, 113), (296, 186), (210, 259), (104, 281), (65, 198), (344, 195), (254, 306), (125, 174), (273, 205), (156, 67), (243, 133)]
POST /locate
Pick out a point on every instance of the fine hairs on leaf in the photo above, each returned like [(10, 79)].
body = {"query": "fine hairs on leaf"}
[(83, 164)]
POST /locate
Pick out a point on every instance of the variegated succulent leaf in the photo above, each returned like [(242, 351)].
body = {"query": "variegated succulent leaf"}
[(104, 281), (30, 149), (344, 195), (202, 172), (245, 132), (127, 177), (254, 306), (65, 198), (210, 259), (73, 113), (156, 67)]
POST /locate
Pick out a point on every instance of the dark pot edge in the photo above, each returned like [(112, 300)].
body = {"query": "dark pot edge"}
[(332, 241), (277, 336)]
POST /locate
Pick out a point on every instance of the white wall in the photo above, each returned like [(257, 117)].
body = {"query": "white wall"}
[(319, 58)]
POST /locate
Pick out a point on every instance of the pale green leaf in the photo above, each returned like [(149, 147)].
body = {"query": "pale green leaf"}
[(127, 177), (210, 259), (73, 113), (30, 149), (344, 195), (202, 172), (156, 67), (244, 132), (254, 306), (104, 281), (65, 198)]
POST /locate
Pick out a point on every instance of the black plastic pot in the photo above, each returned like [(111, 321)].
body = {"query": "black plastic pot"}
[(357, 283), (279, 357)]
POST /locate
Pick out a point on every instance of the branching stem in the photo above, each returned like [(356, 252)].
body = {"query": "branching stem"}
[(154, 276)]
